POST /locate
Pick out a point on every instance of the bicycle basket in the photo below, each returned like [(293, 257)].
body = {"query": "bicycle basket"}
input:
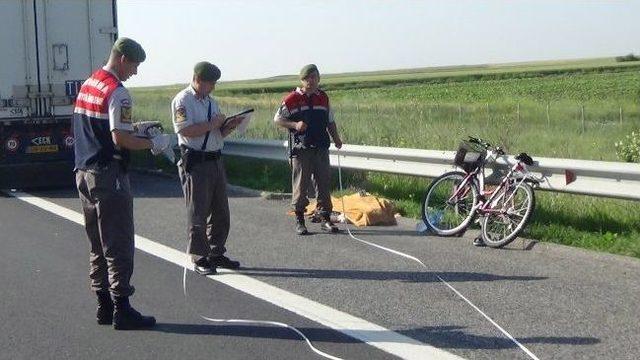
[(470, 156)]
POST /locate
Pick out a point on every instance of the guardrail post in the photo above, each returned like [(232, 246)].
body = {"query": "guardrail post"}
[(488, 115), (548, 117), (620, 115)]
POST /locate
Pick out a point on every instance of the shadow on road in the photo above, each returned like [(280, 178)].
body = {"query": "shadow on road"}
[(444, 337), (406, 276), (381, 231), (256, 331), (143, 186), (453, 337)]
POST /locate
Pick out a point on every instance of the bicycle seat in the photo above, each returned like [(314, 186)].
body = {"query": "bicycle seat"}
[(525, 159)]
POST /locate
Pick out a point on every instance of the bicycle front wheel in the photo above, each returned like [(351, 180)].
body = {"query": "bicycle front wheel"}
[(510, 214), (448, 205)]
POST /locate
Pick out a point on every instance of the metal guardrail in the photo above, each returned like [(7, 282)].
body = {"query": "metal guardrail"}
[(597, 178)]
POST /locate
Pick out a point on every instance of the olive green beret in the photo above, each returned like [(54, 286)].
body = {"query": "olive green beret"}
[(130, 49), (206, 71), (307, 70)]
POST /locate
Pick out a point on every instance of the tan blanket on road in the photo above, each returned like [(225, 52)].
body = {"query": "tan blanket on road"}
[(361, 210)]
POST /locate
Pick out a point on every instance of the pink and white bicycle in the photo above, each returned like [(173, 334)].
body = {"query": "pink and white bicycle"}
[(453, 200)]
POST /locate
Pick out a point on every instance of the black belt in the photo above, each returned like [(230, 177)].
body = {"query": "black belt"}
[(206, 155), (191, 156)]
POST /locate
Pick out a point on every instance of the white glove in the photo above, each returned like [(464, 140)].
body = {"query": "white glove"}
[(147, 129), (160, 143)]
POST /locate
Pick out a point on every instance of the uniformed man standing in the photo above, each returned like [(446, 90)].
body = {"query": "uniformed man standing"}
[(306, 113), (201, 128), (103, 137)]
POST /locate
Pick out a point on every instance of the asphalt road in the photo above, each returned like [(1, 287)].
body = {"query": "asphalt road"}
[(554, 301)]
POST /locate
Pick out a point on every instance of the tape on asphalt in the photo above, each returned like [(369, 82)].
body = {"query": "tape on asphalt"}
[(369, 333)]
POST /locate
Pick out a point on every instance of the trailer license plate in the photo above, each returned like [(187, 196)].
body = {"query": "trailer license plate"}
[(42, 149)]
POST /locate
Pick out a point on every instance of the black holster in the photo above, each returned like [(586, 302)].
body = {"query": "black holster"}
[(191, 157)]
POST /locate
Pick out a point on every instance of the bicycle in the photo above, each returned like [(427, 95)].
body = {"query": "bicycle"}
[(453, 200)]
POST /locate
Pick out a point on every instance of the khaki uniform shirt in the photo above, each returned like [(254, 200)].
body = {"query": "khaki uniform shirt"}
[(187, 109)]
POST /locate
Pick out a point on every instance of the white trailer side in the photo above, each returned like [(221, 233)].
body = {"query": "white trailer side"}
[(47, 49)]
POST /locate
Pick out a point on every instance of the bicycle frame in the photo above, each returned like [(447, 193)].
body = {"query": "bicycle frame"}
[(486, 206)]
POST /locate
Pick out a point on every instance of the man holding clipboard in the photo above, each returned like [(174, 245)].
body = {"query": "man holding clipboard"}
[(201, 129)]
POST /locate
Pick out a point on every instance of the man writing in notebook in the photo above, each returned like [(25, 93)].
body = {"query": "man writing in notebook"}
[(201, 129)]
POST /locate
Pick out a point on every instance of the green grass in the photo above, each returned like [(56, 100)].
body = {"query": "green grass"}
[(462, 73), (593, 223), (533, 107)]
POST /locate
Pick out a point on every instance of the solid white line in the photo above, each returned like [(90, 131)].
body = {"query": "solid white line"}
[(367, 332)]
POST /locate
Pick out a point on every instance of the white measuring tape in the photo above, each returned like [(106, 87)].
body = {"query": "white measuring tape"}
[(248, 321), (413, 258), (392, 251)]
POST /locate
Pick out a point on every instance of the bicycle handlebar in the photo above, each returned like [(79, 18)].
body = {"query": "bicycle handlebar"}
[(486, 145), (480, 142)]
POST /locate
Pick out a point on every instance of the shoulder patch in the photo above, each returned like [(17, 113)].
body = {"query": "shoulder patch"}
[(125, 115), (181, 114)]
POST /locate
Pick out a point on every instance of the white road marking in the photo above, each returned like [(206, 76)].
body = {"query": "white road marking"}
[(374, 335)]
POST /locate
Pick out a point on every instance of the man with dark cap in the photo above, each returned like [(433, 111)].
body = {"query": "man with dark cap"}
[(201, 129), (104, 135), (306, 113)]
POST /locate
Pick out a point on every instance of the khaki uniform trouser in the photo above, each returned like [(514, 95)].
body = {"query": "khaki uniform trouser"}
[(107, 205), (205, 194), (311, 162)]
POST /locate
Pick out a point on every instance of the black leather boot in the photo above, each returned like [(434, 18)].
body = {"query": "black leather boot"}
[(127, 318), (104, 313), (224, 262), (301, 229)]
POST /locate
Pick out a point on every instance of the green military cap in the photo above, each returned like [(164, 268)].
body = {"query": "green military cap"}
[(307, 70), (130, 49), (206, 71)]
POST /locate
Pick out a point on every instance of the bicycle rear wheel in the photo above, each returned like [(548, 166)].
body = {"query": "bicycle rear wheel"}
[(447, 208), (516, 206)]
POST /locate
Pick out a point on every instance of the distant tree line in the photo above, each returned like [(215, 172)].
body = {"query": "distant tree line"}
[(629, 57)]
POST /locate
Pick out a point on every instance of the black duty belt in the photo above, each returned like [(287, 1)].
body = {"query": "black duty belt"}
[(195, 156), (207, 155)]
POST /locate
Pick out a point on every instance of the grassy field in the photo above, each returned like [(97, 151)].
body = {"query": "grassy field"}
[(424, 75), (568, 109), (536, 114)]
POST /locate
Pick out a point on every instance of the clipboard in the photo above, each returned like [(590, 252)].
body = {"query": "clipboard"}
[(243, 112)]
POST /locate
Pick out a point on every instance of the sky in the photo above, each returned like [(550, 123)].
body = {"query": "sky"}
[(249, 39)]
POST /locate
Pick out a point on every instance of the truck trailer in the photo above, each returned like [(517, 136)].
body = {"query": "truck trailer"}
[(48, 48)]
